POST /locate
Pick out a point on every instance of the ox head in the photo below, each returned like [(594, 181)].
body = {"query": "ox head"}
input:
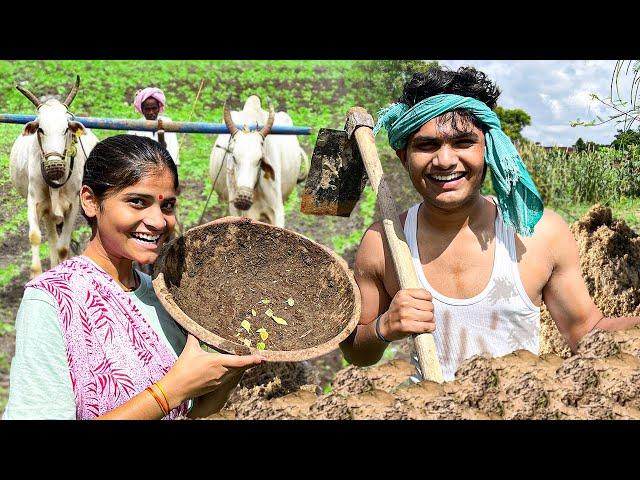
[(249, 158), (56, 134)]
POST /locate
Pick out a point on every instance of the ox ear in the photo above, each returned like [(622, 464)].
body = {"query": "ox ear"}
[(267, 169), (76, 127), (30, 127)]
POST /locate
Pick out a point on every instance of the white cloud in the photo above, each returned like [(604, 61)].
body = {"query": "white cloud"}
[(554, 93)]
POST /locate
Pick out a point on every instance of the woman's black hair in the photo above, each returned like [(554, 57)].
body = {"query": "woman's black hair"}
[(121, 161), (466, 81)]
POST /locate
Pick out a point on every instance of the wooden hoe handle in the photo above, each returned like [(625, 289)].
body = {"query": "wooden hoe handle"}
[(400, 254)]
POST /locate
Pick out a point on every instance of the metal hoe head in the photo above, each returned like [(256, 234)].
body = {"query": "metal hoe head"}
[(337, 174)]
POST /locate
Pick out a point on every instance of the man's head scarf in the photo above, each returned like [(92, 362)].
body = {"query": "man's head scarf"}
[(518, 197), (149, 92)]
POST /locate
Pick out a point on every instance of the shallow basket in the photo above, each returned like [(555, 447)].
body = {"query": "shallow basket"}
[(232, 270)]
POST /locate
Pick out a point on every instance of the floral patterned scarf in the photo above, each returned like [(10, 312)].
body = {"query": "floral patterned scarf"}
[(112, 352)]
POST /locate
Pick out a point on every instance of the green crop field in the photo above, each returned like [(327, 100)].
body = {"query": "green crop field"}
[(314, 93)]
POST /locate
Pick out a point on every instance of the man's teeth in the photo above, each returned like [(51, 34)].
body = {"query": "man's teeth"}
[(446, 178), (145, 237)]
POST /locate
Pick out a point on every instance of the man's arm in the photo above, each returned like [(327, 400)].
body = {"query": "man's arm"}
[(363, 347), (566, 294), (407, 312)]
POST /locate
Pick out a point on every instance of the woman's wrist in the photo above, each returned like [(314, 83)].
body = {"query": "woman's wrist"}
[(171, 392)]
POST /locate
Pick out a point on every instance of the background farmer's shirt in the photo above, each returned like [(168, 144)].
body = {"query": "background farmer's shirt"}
[(40, 384), (499, 320)]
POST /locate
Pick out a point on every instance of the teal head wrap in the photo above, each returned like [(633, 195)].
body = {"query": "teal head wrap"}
[(518, 197)]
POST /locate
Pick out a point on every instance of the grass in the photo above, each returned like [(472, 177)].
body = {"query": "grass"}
[(6, 328), (342, 243)]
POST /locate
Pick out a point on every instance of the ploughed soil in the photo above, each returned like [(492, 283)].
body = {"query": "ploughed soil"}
[(602, 381), (235, 279)]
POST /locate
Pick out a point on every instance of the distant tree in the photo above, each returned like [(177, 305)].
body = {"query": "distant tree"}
[(625, 107), (383, 79), (626, 138), (580, 145), (513, 121)]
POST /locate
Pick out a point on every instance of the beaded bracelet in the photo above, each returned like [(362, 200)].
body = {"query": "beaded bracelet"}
[(164, 409)]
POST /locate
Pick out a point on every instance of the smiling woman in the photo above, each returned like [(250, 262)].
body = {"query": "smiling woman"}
[(92, 339)]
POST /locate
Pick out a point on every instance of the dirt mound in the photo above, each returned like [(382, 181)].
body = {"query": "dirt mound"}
[(610, 262), (602, 381)]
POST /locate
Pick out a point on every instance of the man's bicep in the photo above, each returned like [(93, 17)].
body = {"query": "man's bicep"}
[(369, 274), (566, 294)]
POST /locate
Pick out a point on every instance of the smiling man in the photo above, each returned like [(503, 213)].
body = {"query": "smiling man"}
[(485, 263)]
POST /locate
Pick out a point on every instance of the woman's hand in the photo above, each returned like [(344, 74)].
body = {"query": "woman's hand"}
[(197, 372)]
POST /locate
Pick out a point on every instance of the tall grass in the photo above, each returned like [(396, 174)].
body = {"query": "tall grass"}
[(605, 175)]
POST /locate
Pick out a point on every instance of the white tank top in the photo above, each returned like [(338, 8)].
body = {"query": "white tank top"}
[(499, 320)]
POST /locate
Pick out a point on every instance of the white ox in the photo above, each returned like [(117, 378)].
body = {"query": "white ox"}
[(46, 166), (254, 171)]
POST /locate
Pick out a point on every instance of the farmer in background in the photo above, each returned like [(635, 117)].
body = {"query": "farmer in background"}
[(485, 263), (92, 338), (150, 102)]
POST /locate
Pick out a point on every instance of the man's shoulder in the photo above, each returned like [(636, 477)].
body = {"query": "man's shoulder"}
[(550, 223)]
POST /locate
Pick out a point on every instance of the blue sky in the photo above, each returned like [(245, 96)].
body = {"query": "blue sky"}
[(555, 93)]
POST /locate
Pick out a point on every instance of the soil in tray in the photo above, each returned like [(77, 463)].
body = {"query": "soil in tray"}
[(243, 272)]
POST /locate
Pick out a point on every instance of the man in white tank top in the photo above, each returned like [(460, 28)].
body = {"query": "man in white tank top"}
[(485, 264)]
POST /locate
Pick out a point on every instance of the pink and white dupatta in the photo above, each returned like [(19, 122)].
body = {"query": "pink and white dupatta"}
[(112, 352)]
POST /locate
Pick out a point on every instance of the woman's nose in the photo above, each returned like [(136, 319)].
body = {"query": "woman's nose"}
[(155, 219)]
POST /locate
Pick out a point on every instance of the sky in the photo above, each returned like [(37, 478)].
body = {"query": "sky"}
[(555, 93)]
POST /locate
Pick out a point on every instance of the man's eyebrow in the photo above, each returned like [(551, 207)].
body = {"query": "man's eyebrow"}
[(456, 136)]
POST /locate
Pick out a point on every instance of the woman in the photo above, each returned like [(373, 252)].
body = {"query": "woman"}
[(92, 339)]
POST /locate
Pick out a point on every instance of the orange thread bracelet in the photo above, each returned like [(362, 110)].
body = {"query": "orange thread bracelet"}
[(158, 400), (163, 394)]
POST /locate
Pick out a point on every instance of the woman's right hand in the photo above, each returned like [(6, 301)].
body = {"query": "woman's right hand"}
[(410, 312), (197, 372)]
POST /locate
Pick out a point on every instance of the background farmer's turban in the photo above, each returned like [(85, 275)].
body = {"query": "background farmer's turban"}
[(149, 92), (518, 197)]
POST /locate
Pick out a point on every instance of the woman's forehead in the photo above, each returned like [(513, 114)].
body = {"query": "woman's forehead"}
[(155, 182)]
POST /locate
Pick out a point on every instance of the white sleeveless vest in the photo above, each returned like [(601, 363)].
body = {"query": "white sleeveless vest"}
[(499, 320)]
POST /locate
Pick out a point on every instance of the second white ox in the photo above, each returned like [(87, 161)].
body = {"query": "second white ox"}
[(46, 166), (254, 171)]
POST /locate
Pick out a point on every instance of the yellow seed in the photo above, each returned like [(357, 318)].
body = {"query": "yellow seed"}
[(291, 302)]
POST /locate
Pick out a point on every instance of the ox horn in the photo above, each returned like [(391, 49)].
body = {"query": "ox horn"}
[(267, 128), (228, 120), (29, 95), (72, 93)]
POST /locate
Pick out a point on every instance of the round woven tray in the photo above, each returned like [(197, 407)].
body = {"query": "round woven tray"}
[(233, 272)]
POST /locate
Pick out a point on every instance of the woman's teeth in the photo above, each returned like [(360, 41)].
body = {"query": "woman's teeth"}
[(145, 237)]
